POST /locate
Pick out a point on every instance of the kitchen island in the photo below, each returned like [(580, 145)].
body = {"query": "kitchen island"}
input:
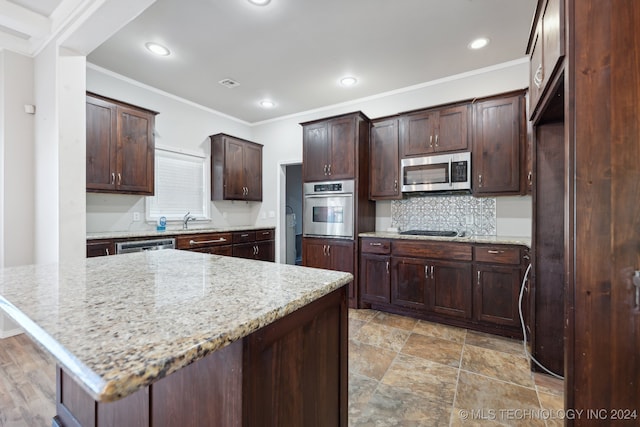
[(179, 338)]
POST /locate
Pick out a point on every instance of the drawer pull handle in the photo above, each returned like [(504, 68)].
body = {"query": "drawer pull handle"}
[(375, 244), (264, 233), (244, 235), (493, 251), (202, 242)]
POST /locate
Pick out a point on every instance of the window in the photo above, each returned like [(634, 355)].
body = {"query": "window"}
[(181, 186)]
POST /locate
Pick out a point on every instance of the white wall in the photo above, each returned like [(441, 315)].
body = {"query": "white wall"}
[(180, 125), (16, 170)]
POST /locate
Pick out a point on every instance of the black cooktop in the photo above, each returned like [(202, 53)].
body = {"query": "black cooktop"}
[(430, 233)]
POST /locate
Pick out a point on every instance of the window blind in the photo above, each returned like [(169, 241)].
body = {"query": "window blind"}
[(181, 186)]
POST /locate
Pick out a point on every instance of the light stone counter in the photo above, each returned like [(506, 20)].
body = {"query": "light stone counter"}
[(503, 240), (119, 323), (171, 232)]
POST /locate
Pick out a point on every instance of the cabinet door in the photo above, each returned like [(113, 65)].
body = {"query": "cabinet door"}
[(450, 289), (245, 250), (101, 140), (136, 150), (452, 132), (233, 169), (342, 148), (497, 146), (536, 70), (496, 295), (252, 172), (315, 151), (314, 253), (385, 161), (417, 133), (265, 250), (375, 278), (552, 38), (100, 248), (409, 283)]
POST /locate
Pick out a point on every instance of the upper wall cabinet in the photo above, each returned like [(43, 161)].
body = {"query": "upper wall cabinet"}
[(499, 145), (546, 50), (236, 169), (120, 147), (385, 162), (432, 131), (329, 147)]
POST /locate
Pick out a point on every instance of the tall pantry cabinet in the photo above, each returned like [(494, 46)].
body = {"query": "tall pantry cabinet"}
[(337, 148)]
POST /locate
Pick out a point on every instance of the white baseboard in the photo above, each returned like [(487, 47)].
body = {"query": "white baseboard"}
[(10, 333)]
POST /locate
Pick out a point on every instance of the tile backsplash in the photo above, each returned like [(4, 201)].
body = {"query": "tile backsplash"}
[(446, 212)]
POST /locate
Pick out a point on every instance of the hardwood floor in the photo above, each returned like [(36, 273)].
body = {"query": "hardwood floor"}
[(402, 372), (27, 384)]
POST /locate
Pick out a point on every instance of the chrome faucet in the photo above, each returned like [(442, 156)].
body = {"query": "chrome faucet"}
[(186, 219)]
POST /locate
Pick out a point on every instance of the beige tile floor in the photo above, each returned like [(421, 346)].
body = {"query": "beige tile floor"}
[(406, 372), (402, 372)]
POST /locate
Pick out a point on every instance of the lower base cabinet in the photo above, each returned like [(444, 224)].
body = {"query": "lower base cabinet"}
[(468, 285), (293, 372), (332, 254)]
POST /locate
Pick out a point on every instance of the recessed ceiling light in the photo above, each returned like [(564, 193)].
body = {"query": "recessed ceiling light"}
[(348, 81), (260, 2), (479, 43), (158, 49), (266, 103)]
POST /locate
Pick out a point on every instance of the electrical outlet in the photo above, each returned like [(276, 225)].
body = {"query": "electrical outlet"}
[(263, 215), (136, 216)]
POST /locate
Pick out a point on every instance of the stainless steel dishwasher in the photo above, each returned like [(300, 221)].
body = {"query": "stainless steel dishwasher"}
[(145, 245)]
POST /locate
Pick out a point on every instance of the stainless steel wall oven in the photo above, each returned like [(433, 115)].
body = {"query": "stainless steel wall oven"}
[(329, 209)]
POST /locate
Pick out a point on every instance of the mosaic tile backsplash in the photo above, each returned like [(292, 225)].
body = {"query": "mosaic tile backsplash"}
[(466, 213)]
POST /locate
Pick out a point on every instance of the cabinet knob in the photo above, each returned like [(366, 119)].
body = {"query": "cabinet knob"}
[(387, 267), (480, 180), (119, 178), (113, 178), (395, 184), (430, 141), (436, 140), (478, 278)]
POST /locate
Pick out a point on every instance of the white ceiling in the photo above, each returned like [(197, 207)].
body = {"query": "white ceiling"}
[(294, 51)]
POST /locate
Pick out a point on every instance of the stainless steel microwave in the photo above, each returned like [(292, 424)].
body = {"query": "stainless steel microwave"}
[(441, 172)]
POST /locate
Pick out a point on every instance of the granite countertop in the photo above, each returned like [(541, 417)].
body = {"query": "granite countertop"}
[(171, 232), (503, 240), (119, 323)]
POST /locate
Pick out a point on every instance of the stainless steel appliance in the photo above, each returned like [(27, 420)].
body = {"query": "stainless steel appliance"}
[(442, 172), (328, 209), (145, 245)]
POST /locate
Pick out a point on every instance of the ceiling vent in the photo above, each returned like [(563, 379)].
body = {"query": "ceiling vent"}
[(229, 83)]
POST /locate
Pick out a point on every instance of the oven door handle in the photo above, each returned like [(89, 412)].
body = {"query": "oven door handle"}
[(327, 196)]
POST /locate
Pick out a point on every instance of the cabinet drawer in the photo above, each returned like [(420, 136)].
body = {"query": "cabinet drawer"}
[(375, 246), (497, 254), (265, 234), (194, 241), (244, 236), (438, 250)]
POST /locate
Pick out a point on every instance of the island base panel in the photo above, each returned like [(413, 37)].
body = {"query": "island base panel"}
[(292, 372)]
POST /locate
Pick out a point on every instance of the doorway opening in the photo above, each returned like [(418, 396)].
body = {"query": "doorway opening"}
[(291, 214)]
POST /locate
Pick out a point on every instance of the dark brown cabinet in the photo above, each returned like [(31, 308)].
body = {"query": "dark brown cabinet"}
[(499, 145), (384, 183), (100, 247), (546, 50), (258, 245), (236, 169), (375, 270), (330, 254), (498, 275), (120, 147), (432, 131), (210, 243), (329, 147), (467, 285), (409, 283)]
